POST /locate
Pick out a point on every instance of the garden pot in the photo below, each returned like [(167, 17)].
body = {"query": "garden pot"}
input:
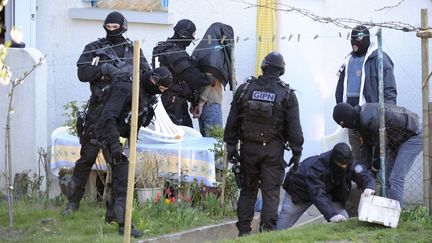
[(144, 194)]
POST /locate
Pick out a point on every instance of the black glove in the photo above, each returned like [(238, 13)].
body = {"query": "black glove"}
[(109, 69), (294, 162), (117, 74), (149, 116), (116, 152), (232, 153)]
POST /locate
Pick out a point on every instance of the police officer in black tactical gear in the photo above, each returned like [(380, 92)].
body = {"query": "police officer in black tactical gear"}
[(325, 181), (264, 116), (187, 79), (102, 63)]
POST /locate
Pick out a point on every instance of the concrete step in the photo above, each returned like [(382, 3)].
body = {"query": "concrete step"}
[(226, 230)]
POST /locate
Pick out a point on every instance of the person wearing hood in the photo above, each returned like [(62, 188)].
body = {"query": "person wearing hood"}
[(325, 181), (264, 116), (403, 137), (104, 63), (187, 79), (213, 56)]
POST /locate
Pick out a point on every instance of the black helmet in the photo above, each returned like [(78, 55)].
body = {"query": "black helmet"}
[(155, 78), (273, 59), (185, 29), (162, 76)]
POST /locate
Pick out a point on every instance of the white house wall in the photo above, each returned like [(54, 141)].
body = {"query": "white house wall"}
[(28, 120), (63, 39)]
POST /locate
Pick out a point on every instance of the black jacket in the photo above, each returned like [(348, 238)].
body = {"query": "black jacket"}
[(400, 124), (214, 55), (314, 182), (92, 73), (292, 130), (370, 91), (100, 108), (178, 61)]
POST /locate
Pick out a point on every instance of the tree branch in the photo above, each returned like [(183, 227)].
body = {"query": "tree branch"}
[(27, 73), (346, 23), (390, 7)]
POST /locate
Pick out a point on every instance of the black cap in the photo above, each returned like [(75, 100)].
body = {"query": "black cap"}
[(341, 154)]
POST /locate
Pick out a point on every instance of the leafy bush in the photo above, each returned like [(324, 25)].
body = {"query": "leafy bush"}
[(71, 108), (231, 190), (217, 133)]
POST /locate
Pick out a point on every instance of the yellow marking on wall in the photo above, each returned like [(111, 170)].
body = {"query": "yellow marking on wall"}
[(266, 31)]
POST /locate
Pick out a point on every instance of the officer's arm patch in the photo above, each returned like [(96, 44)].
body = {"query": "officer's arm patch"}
[(358, 168), (265, 96)]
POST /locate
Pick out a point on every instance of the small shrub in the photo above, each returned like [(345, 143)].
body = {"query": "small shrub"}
[(211, 205), (231, 190), (71, 108)]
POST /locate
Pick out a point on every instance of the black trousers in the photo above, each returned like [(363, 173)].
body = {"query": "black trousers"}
[(116, 205), (261, 166)]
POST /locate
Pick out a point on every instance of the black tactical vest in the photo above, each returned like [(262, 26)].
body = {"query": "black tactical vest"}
[(176, 60), (261, 110)]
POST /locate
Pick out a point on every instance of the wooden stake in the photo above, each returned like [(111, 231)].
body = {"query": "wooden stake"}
[(425, 105), (132, 141)]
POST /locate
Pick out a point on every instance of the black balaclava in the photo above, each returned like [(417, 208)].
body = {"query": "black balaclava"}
[(115, 36), (184, 33), (361, 38), (340, 155), (161, 75), (346, 115)]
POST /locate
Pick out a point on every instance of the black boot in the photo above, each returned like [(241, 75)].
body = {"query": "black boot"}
[(109, 213), (134, 232), (70, 208), (245, 233), (266, 227), (109, 217)]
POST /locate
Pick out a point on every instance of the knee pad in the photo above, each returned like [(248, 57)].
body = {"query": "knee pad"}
[(119, 212)]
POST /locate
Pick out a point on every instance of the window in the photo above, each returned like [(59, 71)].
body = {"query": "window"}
[(92, 2), (138, 5), (135, 11)]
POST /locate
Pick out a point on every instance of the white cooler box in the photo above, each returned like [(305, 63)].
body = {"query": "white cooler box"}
[(380, 210)]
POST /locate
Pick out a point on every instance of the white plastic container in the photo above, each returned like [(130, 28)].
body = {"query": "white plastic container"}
[(379, 210)]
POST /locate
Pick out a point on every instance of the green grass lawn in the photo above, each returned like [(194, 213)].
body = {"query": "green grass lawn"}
[(414, 226), (39, 222)]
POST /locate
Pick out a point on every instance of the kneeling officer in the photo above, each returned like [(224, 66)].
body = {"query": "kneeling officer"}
[(325, 181)]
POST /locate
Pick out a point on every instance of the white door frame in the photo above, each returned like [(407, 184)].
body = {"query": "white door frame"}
[(22, 15)]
